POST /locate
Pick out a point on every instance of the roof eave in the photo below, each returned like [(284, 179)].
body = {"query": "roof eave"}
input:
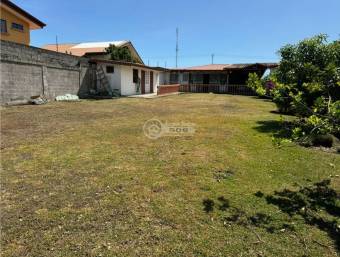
[(142, 65), (25, 14)]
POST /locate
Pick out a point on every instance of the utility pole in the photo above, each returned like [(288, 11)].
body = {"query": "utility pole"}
[(212, 58), (56, 42), (165, 64), (177, 47)]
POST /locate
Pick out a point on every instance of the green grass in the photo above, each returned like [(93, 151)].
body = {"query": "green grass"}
[(81, 179)]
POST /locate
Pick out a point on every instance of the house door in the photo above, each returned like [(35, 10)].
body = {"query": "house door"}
[(143, 82), (151, 81), (206, 79)]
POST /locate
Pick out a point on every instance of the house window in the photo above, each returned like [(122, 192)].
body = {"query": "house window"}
[(135, 76), (17, 26), (3, 25), (110, 69)]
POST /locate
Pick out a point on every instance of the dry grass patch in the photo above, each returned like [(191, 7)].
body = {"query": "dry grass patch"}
[(81, 179)]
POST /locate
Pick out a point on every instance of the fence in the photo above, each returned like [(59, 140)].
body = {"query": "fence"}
[(217, 88)]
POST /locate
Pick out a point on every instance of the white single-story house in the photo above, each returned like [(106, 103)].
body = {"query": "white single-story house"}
[(115, 77), (126, 78)]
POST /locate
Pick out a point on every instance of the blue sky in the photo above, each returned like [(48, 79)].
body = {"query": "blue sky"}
[(234, 31)]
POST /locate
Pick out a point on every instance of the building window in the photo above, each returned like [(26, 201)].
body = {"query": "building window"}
[(135, 76), (110, 69), (17, 26), (3, 26)]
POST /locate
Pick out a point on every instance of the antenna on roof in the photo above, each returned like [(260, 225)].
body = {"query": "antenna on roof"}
[(212, 58), (56, 42), (177, 47)]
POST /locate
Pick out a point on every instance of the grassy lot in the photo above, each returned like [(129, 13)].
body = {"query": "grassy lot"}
[(81, 179)]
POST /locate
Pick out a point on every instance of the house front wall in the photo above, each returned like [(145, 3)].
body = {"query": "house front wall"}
[(130, 88), (12, 34), (121, 79), (127, 85), (114, 77)]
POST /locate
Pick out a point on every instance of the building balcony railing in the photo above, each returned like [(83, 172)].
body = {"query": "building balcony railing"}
[(217, 88)]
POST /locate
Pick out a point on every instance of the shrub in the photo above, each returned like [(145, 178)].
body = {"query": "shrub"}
[(307, 84), (256, 84)]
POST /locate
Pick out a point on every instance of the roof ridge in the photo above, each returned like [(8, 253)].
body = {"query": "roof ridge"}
[(61, 44), (88, 42)]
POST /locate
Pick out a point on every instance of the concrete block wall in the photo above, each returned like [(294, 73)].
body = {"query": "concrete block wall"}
[(27, 71)]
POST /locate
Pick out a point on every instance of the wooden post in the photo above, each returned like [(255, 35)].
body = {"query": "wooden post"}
[(227, 82)]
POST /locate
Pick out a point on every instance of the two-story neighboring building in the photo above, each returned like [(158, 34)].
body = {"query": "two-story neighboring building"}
[(16, 23)]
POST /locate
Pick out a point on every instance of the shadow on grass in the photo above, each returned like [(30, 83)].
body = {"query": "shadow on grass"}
[(318, 205), (208, 205), (280, 113), (279, 129)]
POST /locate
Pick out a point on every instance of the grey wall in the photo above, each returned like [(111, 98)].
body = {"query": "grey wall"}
[(27, 71)]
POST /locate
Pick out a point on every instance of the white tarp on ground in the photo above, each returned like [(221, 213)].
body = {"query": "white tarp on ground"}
[(67, 97)]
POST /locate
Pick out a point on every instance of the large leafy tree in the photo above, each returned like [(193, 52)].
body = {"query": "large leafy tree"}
[(309, 71), (308, 85), (120, 54)]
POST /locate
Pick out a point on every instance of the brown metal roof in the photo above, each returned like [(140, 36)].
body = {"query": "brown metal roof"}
[(23, 13), (63, 48)]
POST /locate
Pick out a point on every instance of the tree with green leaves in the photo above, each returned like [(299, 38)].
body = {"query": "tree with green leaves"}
[(307, 84), (120, 54)]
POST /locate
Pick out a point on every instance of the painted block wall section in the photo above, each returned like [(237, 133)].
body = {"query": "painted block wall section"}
[(128, 87), (27, 71), (114, 78)]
